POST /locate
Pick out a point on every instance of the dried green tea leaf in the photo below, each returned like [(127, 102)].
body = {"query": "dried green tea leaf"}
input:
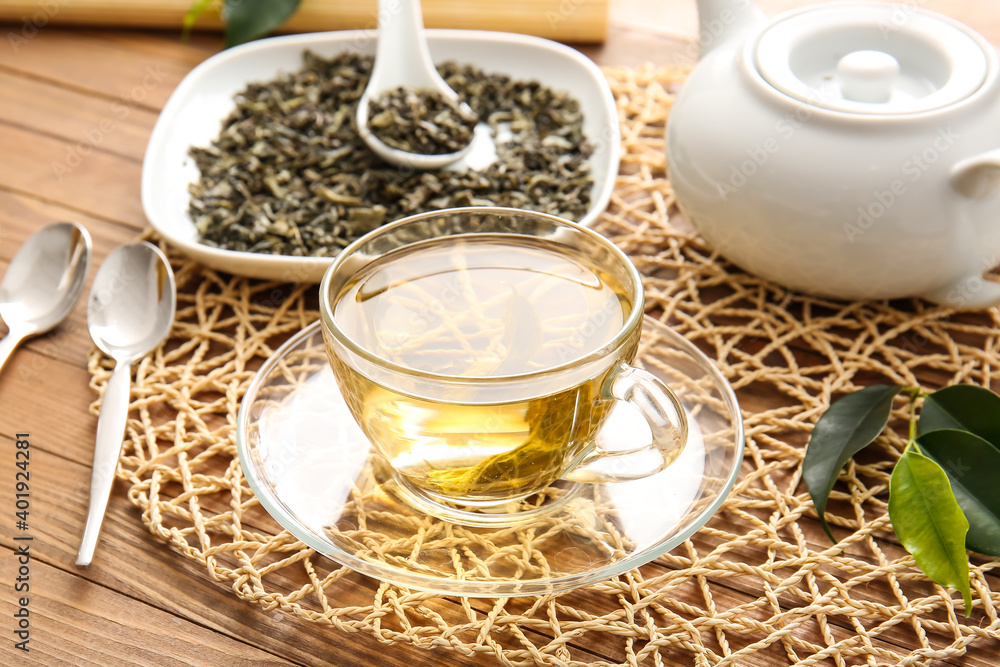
[(421, 121)]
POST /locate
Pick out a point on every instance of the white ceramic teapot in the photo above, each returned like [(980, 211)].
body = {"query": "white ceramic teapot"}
[(844, 150)]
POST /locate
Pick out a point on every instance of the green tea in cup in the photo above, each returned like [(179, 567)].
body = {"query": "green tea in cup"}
[(481, 350)]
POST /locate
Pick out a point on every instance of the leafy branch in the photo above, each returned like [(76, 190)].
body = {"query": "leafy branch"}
[(943, 491), (245, 19)]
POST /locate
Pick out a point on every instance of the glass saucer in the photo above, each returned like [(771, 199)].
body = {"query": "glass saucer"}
[(315, 472)]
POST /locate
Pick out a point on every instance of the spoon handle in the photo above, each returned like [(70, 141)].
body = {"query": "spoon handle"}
[(110, 429), (8, 345), (402, 57)]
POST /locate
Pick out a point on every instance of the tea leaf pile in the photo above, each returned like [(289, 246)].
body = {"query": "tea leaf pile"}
[(289, 175), (420, 121)]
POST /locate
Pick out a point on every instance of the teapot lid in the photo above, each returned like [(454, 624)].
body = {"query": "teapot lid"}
[(872, 59)]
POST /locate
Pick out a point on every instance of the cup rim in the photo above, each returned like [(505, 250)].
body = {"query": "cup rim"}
[(633, 320)]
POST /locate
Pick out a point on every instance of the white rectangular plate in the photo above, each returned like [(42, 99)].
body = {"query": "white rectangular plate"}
[(193, 117)]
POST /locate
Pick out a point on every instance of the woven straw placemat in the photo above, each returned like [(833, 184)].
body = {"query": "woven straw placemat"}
[(760, 584)]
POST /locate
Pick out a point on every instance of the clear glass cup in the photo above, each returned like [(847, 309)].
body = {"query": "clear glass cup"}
[(462, 422)]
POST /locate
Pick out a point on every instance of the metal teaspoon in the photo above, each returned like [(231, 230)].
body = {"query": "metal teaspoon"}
[(130, 311), (43, 282)]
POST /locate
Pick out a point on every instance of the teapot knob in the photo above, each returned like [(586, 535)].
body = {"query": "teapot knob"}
[(867, 76)]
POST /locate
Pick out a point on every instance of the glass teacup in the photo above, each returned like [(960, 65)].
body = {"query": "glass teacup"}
[(481, 349)]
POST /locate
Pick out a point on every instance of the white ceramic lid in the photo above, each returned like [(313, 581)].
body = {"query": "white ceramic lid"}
[(872, 59)]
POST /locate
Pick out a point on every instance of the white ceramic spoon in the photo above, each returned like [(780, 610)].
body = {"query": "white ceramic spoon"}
[(402, 59)]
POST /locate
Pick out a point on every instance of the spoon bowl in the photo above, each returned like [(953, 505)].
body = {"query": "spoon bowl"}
[(131, 310), (132, 302), (402, 59), (43, 282)]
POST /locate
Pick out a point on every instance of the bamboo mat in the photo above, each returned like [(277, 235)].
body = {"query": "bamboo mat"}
[(759, 584)]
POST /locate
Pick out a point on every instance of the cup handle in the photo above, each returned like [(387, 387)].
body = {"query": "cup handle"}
[(662, 411)]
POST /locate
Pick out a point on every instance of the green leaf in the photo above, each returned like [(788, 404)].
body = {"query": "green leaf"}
[(848, 426), (196, 10), (929, 523), (972, 466), (250, 19), (964, 407)]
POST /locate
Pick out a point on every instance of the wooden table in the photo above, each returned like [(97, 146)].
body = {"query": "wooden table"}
[(76, 109)]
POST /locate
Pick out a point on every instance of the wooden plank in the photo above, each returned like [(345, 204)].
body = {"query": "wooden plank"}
[(69, 445), (72, 439), (87, 63), (731, 593), (814, 534), (134, 554), (484, 609), (25, 214), (164, 44), (631, 47), (728, 593), (33, 388), (900, 638), (21, 215), (579, 20), (83, 120), (75, 622), (132, 562), (89, 181), (61, 483)]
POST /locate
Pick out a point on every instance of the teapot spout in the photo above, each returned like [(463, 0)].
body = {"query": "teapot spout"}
[(972, 292), (725, 22)]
